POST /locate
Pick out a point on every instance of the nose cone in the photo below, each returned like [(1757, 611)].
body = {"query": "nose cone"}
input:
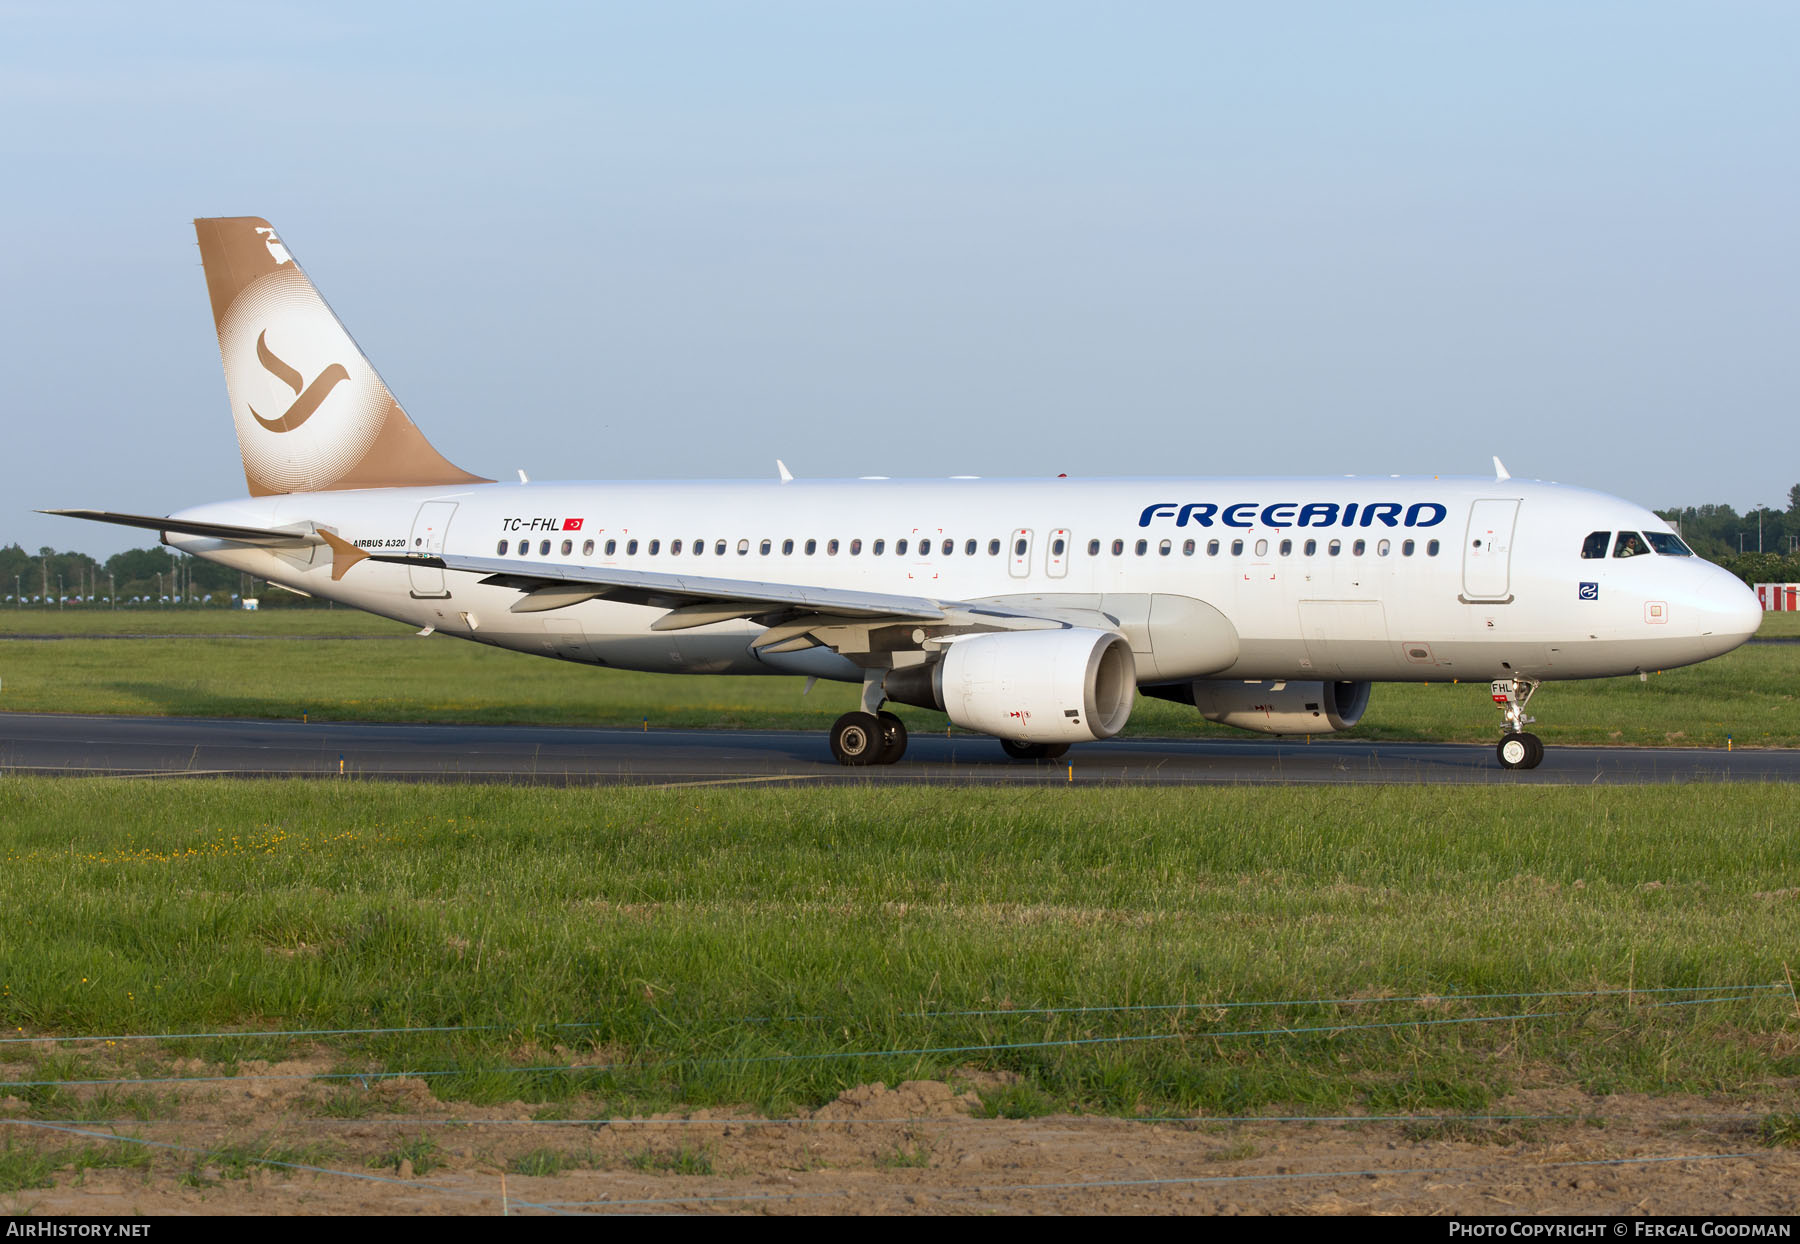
[(1731, 611)]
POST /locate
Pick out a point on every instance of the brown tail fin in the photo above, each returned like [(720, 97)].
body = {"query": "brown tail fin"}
[(312, 415)]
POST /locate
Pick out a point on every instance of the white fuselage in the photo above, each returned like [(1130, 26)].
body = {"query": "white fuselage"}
[(1424, 580)]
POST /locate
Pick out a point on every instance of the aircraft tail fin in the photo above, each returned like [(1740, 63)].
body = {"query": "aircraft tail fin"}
[(312, 414)]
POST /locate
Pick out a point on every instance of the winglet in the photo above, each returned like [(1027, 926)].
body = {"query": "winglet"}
[(1500, 471), (787, 476), (343, 555)]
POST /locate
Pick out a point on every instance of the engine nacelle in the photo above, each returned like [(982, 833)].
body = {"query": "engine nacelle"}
[(1064, 686), (1282, 707)]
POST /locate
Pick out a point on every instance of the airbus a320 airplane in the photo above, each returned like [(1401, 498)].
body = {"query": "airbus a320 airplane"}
[(1031, 610)]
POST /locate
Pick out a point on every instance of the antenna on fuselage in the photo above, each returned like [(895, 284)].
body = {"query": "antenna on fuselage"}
[(787, 476), (1500, 471)]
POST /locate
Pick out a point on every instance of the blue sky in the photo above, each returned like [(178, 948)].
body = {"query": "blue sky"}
[(649, 241)]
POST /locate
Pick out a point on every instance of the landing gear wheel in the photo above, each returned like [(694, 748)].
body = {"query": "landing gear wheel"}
[(1033, 751), (1517, 750), (893, 738), (856, 739), (1520, 751)]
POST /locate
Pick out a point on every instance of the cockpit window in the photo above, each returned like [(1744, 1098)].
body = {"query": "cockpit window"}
[(1595, 545), (1668, 544), (1629, 544)]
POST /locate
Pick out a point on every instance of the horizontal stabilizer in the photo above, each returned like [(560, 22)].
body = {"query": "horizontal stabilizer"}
[(297, 536)]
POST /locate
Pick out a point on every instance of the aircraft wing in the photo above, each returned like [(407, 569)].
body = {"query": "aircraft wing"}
[(796, 616)]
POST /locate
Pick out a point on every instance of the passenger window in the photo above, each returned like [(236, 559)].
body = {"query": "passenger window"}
[(1118, 547), (1143, 546), (568, 546), (1311, 547), (1019, 547), (587, 548), (501, 551), (543, 548), (993, 548), (878, 548), (1595, 545), (1629, 544), (699, 547), (631, 548), (1287, 548), (949, 547), (763, 549), (674, 547), (1262, 548), (787, 548), (719, 548), (1356, 550), (812, 546), (1383, 548), (654, 546), (743, 547), (1165, 547), (831, 548), (1212, 548), (1187, 548), (1056, 546), (1431, 550), (899, 548), (855, 548), (1237, 548), (1335, 547), (1406, 548), (971, 548), (1093, 548)]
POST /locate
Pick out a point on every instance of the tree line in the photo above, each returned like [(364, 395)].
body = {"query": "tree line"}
[(1761, 545), (134, 578)]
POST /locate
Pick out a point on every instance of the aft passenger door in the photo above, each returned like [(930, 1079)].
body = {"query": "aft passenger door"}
[(428, 529), (1487, 550)]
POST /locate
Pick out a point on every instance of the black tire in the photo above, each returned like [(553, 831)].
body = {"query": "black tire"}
[(1516, 751), (1033, 751), (856, 739), (1537, 751), (893, 738)]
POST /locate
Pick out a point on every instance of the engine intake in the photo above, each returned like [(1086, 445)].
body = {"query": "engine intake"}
[(1070, 685), (1282, 707)]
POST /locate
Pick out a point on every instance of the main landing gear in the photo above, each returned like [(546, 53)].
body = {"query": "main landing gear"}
[(1033, 751), (1517, 749), (868, 738)]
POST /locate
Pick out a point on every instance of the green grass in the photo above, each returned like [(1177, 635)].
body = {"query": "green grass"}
[(1748, 695), (423, 1152), (733, 948), (1782, 625), (199, 622), (685, 1160)]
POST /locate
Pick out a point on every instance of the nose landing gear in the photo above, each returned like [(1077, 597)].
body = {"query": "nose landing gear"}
[(1517, 749)]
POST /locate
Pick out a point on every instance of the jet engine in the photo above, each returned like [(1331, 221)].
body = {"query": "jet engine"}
[(1282, 707), (1071, 685)]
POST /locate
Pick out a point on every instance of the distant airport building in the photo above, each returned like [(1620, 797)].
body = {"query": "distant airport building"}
[(1779, 597)]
